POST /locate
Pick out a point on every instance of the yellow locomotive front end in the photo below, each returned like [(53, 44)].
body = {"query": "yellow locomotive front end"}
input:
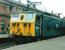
[(22, 24)]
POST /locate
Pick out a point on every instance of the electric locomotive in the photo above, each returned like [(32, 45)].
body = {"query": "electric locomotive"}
[(33, 26)]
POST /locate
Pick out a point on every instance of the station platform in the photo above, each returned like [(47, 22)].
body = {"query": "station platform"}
[(57, 43), (4, 35)]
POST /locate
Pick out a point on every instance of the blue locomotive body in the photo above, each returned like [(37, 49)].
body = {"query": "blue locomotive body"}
[(49, 26)]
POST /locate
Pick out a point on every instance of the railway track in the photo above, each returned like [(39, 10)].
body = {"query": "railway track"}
[(7, 42), (10, 43), (7, 45)]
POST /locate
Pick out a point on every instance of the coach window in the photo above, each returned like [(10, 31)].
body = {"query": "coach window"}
[(13, 24), (48, 24), (22, 16)]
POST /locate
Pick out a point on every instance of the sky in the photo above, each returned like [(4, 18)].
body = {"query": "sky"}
[(58, 6)]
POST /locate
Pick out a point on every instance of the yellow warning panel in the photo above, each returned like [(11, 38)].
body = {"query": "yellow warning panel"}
[(23, 24)]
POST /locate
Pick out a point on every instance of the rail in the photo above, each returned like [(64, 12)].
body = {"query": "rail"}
[(7, 45)]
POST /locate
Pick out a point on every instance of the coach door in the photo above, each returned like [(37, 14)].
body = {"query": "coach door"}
[(38, 26)]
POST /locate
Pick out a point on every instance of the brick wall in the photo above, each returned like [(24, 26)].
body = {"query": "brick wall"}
[(4, 9)]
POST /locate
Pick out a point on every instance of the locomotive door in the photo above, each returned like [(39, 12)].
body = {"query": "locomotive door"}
[(38, 26)]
